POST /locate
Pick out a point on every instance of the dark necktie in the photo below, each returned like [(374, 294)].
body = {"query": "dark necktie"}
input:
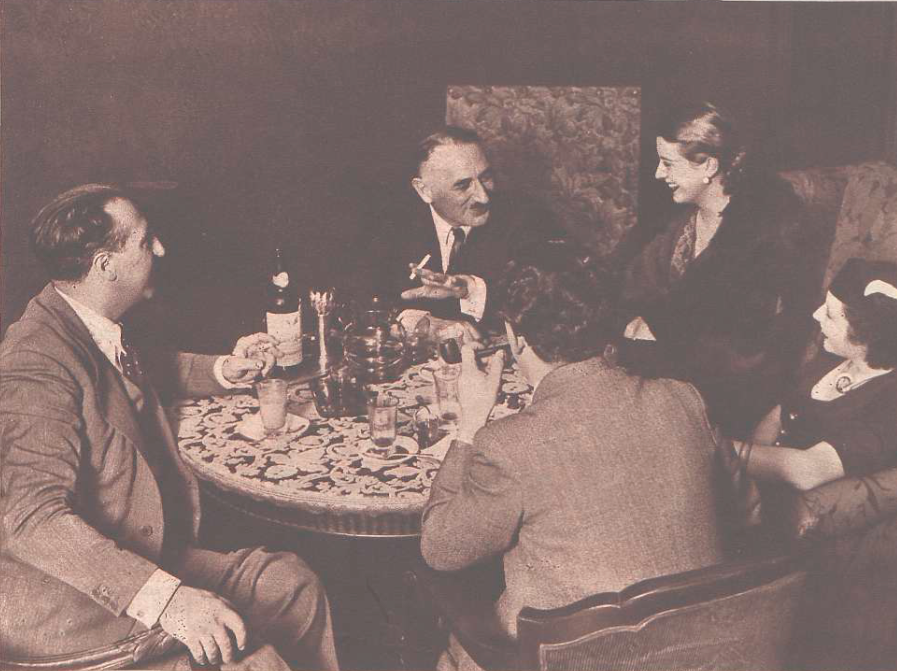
[(130, 362), (456, 255)]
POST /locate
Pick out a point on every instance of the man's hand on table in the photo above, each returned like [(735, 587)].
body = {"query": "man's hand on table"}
[(202, 621), (252, 358), (440, 286), (477, 391), (437, 329)]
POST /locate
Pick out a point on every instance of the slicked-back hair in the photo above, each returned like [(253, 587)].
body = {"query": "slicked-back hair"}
[(69, 231), (447, 135), (561, 301)]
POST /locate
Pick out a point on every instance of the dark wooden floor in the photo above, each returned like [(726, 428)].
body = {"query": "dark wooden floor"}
[(364, 582)]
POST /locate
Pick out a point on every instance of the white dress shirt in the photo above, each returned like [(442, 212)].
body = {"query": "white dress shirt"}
[(475, 303)]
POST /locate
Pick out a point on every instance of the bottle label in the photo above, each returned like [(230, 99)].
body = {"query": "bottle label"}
[(281, 280), (287, 328)]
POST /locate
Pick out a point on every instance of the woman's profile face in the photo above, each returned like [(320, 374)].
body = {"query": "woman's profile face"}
[(684, 178), (836, 330)]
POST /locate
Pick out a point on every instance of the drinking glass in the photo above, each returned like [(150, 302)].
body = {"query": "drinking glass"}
[(426, 428), (447, 400), (272, 395), (382, 410)]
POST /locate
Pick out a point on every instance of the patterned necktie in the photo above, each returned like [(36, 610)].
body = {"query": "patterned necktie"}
[(130, 361), (456, 256)]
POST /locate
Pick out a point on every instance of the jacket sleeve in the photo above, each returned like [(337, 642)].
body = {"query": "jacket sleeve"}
[(646, 278), (474, 510), (179, 374), (41, 429)]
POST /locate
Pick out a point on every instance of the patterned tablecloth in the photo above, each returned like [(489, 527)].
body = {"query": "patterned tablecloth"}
[(317, 478)]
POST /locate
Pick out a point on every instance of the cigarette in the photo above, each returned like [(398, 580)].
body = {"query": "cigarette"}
[(419, 266)]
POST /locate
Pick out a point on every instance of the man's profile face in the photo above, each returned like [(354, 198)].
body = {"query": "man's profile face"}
[(134, 262), (457, 181)]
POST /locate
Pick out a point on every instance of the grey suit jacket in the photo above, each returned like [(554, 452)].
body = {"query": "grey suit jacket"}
[(604, 480), (81, 524)]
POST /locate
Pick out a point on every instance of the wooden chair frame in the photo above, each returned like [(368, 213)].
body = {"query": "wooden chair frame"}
[(464, 602)]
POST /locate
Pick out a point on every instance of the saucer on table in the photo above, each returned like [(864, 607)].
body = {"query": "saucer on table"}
[(251, 426), (403, 449)]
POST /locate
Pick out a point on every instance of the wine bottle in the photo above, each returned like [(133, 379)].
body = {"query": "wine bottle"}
[(283, 319)]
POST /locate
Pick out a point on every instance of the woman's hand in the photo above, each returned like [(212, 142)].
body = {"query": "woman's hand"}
[(477, 391)]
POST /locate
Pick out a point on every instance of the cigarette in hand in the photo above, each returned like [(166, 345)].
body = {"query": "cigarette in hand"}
[(416, 269)]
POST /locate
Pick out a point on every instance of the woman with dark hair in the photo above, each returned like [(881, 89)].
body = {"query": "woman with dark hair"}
[(836, 435), (841, 418), (721, 293)]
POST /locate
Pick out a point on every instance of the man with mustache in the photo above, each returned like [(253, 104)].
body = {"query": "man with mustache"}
[(98, 514), (462, 225)]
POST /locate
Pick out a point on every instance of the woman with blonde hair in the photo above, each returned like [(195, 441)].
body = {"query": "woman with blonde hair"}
[(721, 297)]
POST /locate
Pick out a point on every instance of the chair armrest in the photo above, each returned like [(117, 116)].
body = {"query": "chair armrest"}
[(848, 505), (465, 603)]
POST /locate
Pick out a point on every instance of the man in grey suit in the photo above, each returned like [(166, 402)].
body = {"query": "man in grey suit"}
[(604, 480), (99, 515)]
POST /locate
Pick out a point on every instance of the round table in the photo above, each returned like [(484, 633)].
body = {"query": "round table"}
[(317, 479)]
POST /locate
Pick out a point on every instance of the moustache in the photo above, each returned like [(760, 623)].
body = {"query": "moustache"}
[(479, 208)]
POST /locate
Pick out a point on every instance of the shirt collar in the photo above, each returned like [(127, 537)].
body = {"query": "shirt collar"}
[(443, 228), (101, 329)]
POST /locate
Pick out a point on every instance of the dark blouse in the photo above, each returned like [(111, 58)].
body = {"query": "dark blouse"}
[(861, 425)]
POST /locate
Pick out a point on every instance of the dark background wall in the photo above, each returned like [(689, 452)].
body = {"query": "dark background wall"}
[(288, 121)]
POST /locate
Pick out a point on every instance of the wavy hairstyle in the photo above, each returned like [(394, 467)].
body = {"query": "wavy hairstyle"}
[(69, 231), (704, 130), (560, 300), (873, 323)]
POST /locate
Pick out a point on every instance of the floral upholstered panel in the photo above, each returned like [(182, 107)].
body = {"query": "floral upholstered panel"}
[(821, 190), (867, 224), (852, 211), (575, 148)]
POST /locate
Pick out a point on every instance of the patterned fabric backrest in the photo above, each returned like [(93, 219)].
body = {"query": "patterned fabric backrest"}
[(860, 202), (750, 630), (867, 223), (575, 148)]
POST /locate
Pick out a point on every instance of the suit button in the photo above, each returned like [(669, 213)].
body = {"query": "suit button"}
[(792, 416), (146, 531)]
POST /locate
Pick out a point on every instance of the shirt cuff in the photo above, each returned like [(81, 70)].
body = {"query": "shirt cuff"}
[(475, 303), (218, 370), (152, 599), (409, 318)]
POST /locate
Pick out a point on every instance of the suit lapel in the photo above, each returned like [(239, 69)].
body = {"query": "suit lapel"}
[(429, 243), (111, 393)]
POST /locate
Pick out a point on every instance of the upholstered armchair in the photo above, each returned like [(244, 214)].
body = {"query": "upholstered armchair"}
[(851, 523), (736, 616), (855, 210)]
